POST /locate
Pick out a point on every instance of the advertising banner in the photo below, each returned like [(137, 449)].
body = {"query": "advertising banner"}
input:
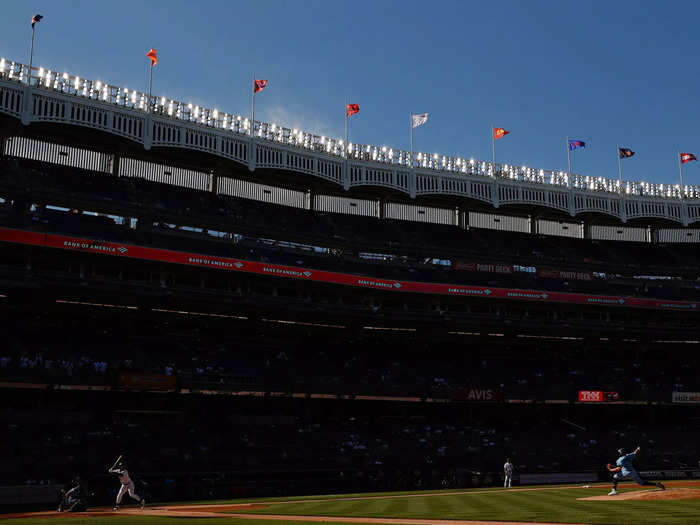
[(478, 395), (558, 477), (254, 267), (597, 396), (483, 267), (564, 275), (670, 474), (146, 381), (685, 397)]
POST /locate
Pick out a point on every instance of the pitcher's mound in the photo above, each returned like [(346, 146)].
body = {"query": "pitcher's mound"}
[(646, 495)]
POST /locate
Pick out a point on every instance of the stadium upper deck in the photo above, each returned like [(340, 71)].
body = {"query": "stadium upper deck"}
[(158, 122)]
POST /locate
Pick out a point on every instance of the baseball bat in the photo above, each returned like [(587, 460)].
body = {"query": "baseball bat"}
[(115, 463)]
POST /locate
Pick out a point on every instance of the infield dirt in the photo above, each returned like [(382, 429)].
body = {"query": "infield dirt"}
[(649, 495)]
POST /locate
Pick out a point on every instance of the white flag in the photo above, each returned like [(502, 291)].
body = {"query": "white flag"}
[(419, 120)]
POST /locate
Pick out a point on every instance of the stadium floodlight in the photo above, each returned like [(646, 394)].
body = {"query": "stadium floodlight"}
[(99, 85), (2, 65), (65, 76), (41, 72), (133, 97), (48, 78), (216, 114), (383, 149)]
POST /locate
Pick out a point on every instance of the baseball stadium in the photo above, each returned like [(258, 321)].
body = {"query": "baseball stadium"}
[(209, 318)]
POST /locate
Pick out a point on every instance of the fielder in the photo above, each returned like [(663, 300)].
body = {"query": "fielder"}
[(625, 470), (127, 484), (507, 473)]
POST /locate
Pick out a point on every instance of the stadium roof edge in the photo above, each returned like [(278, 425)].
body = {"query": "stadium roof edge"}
[(216, 139)]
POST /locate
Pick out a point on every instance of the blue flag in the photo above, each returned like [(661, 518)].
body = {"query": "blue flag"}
[(575, 144)]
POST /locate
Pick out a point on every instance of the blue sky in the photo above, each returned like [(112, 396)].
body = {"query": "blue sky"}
[(604, 72)]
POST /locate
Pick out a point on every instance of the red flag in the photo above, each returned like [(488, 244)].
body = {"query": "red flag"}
[(687, 157), (259, 85), (35, 19), (152, 55), (499, 133), (351, 109)]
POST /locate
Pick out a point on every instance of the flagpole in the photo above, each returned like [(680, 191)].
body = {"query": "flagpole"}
[(410, 125), (568, 153), (346, 125), (31, 58), (252, 110), (150, 88), (493, 150), (619, 166)]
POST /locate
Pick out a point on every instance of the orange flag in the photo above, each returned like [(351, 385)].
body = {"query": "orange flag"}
[(152, 55), (499, 133)]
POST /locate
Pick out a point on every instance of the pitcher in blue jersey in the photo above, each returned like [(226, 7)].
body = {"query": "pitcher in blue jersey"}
[(625, 470)]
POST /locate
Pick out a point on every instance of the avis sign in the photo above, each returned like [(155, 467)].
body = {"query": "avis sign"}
[(479, 395)]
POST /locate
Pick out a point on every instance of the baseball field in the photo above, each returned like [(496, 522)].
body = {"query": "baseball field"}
[(678, 504)]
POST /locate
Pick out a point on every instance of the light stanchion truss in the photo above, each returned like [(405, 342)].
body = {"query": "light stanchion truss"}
[(53, 96)]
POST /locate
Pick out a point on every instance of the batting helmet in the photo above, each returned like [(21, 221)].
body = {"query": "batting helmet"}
[(621, 451)]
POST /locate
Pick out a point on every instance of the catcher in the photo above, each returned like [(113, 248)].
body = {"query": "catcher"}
[(625, 470), (73, 499), (127, 484)]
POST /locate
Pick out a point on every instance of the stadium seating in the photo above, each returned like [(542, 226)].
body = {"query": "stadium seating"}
[(353, 390)]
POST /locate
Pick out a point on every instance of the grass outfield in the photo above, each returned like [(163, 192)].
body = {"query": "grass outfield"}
[(552, 504), (545, 504)]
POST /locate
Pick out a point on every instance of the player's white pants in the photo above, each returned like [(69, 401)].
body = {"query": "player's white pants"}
[(507, 480), (127, 488)]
